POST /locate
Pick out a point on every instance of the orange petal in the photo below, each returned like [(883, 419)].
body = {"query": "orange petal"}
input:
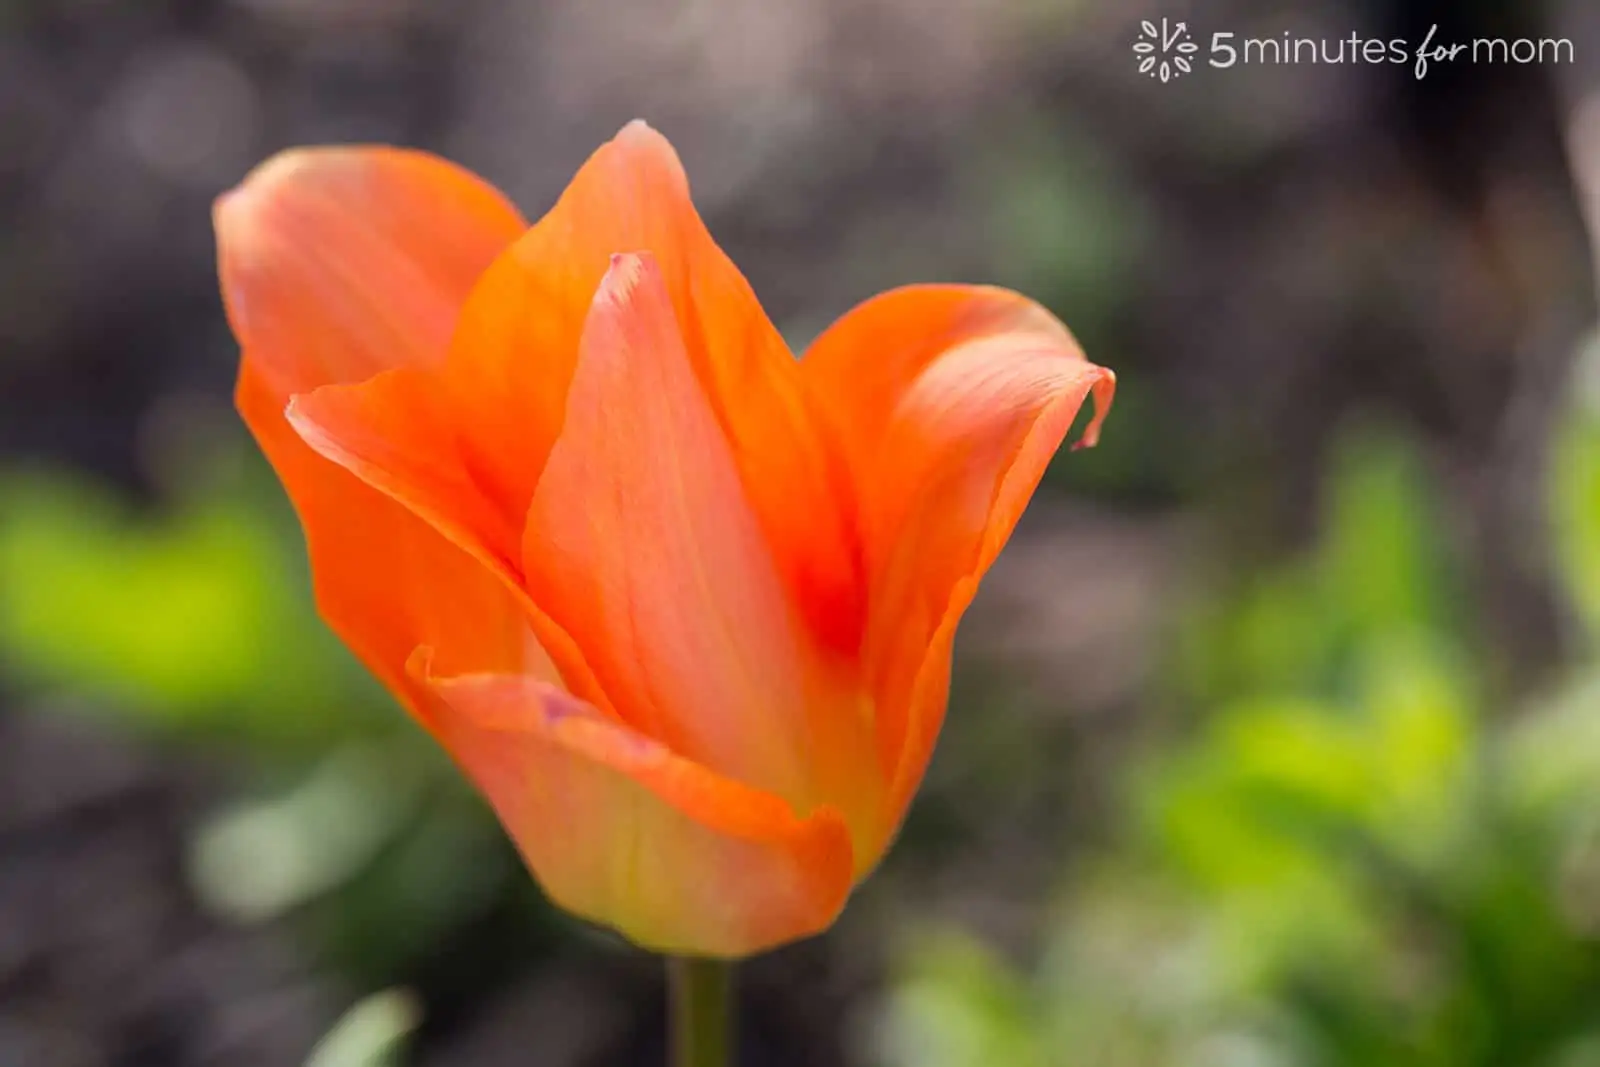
[(394, 433), (951, 401), (397, 434), (922, 715), (385, 581), (643, 545), (337, 263), (622, 832), (514, 357)]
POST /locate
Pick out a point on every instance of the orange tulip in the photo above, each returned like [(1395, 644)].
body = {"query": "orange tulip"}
[(680, 605)]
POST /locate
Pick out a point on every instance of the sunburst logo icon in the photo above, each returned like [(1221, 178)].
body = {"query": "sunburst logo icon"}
[(1164, 52)]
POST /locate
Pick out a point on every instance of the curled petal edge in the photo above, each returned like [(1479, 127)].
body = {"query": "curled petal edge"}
[(909, 752)]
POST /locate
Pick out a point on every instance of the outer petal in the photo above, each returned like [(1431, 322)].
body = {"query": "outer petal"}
[(623, 832), (513, 358), (951, 401), (397, 434), (394, 434), (642, 543), (386, 582), (336, 263)]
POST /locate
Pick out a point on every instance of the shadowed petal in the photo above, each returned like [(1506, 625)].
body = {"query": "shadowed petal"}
[(951, 401)]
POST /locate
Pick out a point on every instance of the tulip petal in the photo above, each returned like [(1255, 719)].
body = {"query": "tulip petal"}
[(493, 411), (517, 347), (394, 431), (385, 580), (394, 434), (950, 401), (643, 545), (337, 263), (623, 832)]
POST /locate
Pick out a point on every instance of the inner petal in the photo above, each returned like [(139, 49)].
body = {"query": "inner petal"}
[(642, 543)]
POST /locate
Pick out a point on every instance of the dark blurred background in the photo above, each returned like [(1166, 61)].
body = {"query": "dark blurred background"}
[(1276, 732)]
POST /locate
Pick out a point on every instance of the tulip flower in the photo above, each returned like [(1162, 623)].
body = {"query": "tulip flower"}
[(679, 604)]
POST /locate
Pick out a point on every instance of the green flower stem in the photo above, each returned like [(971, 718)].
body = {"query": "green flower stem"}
[(701, 1007)]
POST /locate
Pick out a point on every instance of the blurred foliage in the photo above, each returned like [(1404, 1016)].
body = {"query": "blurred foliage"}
[(1382, 572), (1348, 861), (193, 623), (194, 618), (371, 1034), (1575, 486)]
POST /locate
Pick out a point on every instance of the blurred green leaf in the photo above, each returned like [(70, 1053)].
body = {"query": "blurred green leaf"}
[(1383, 572), (1551, 760), (371, 1034), (451, 866), (1386, 559), (1575, 490), (194, 618), (962, 1007), (257, 861)]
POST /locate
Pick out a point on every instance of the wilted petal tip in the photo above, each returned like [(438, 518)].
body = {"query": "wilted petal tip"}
[(1101, 394), (630, 262), (628, 270)]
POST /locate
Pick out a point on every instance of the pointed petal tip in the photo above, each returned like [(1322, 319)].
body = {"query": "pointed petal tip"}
[(294, 412), (639, 136)]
